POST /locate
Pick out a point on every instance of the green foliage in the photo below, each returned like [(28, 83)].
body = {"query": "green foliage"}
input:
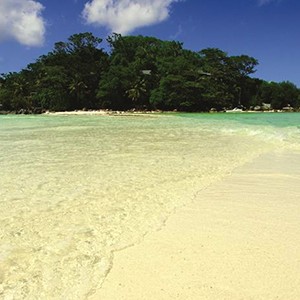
[(279, 94), (139, 72), (66, 78)]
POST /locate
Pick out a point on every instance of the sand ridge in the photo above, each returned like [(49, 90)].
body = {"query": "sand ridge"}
[(240, 239)]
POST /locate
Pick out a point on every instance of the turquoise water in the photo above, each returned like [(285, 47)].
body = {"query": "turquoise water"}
[(74, 189), (273, 119), (281, 127)]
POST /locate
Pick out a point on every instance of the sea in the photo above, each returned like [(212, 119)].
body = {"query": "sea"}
[(75, 189)]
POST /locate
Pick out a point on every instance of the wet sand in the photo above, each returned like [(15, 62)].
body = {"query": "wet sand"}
[(239, 239)]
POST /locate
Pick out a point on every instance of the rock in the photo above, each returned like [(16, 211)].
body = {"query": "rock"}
[(288, 108), (266, 106), (37, 110), (21, 111)]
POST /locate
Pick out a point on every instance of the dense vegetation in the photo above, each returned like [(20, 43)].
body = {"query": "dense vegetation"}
[(139, 72)]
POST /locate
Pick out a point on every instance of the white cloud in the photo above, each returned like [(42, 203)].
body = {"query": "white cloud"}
[(21, 20), (124, 16)]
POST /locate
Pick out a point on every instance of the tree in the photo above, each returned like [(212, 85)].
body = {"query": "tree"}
[(229, 74), (279, 94), (137, 91), (139, 72), (219, 89), (14, 92), (240, 67), (178, 87), (84, 63), (124, 83)]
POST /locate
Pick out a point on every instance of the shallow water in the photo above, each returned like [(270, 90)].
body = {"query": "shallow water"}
[(74, 189)]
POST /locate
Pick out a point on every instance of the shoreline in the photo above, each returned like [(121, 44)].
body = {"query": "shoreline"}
[(103, 112), (240, 239), (142, 112)]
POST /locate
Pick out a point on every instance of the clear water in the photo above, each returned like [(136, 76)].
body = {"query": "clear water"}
[(74, 189)]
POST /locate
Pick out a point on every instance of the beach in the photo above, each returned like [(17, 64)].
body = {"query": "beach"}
[(239, 239), (149, 206)]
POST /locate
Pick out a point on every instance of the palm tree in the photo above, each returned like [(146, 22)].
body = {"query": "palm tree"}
[(77, 88), (137, 91)]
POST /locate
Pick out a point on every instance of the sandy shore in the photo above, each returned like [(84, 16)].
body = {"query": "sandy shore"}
[(102, 112), (240, 239), (136, 112)]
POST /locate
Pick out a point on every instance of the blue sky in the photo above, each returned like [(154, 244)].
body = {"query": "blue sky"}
[(268, 30)]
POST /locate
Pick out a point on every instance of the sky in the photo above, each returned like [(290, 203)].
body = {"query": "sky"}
[(268, 30)]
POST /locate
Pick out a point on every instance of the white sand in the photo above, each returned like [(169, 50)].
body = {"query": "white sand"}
[(240, 239), (79, 112), (102, 112)]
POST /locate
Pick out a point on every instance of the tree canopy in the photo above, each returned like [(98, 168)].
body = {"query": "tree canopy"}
[(139, 72)]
